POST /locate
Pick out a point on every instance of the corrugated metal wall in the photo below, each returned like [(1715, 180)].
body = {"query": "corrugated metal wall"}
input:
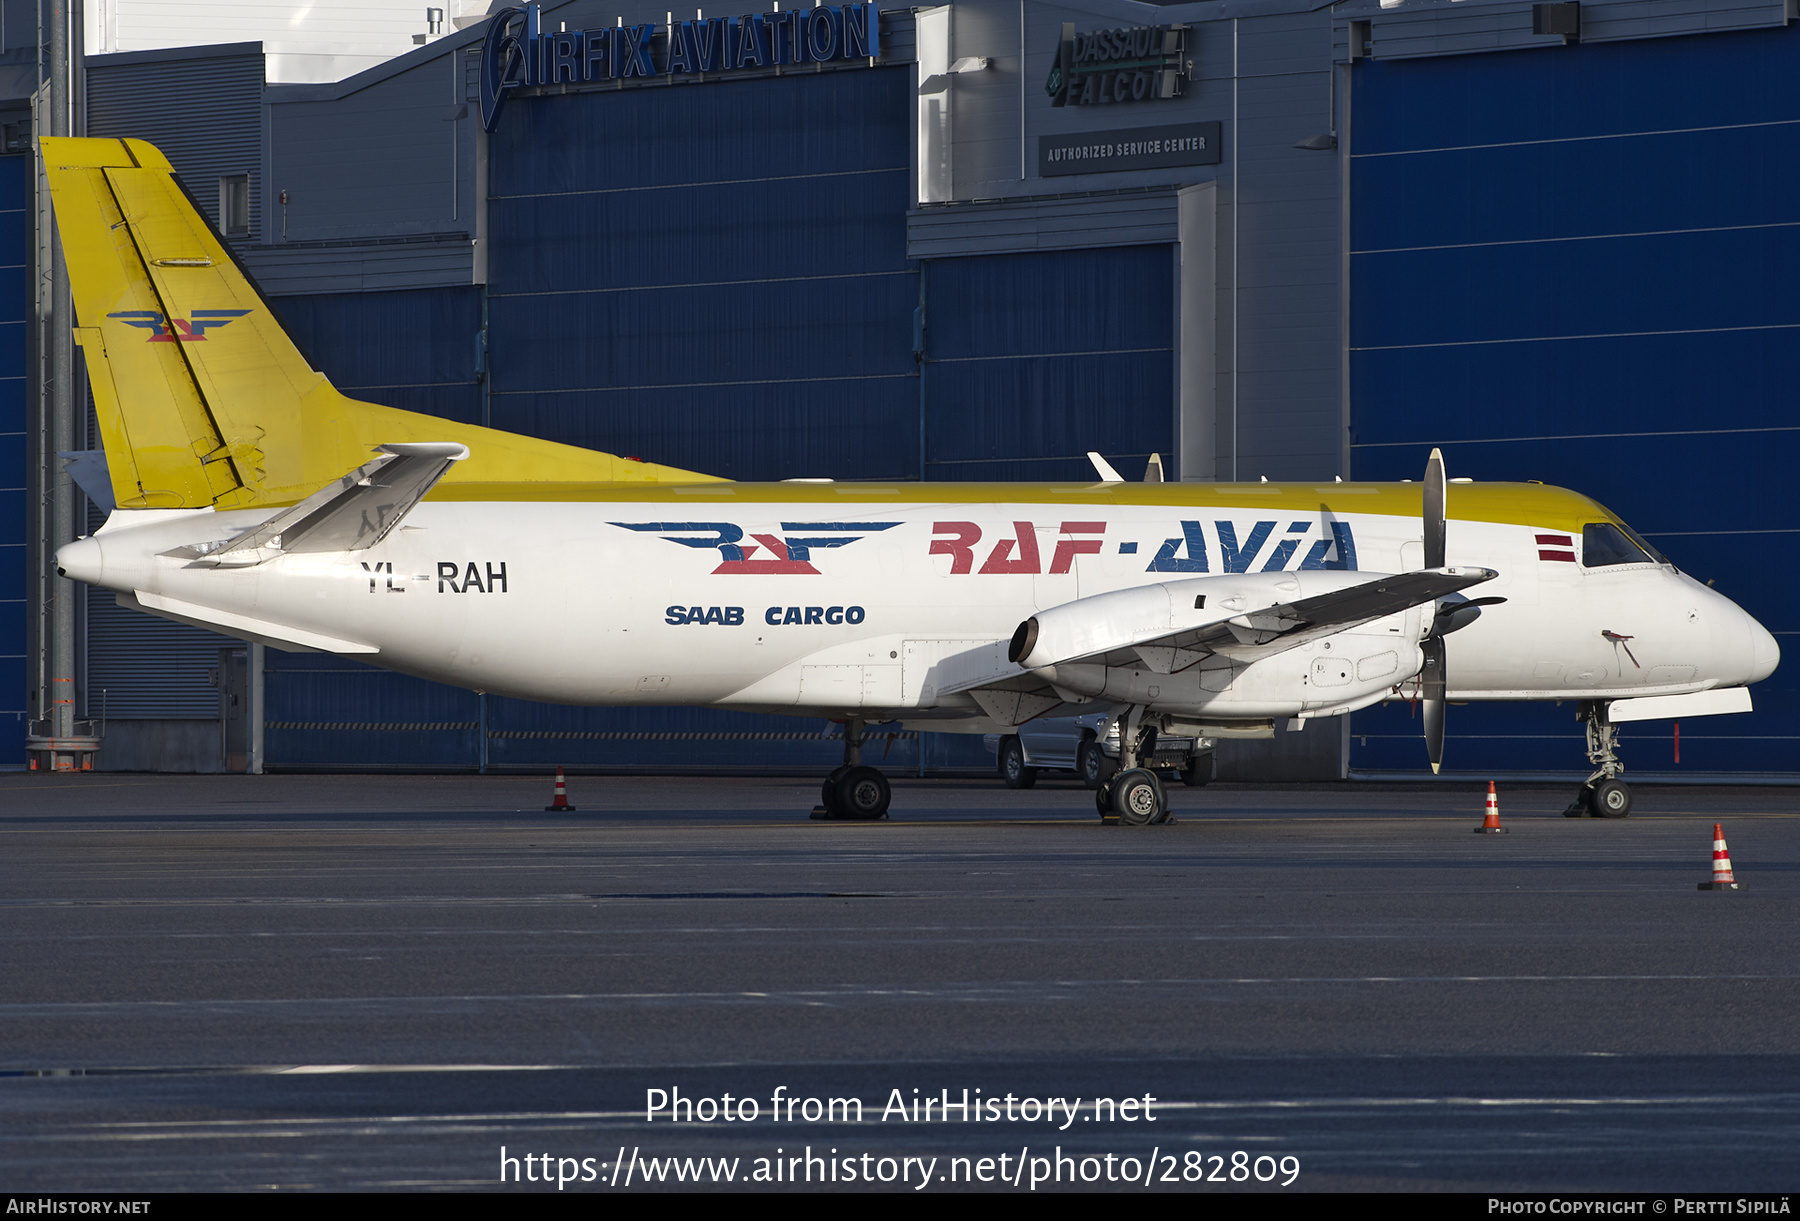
[(1034, 359), (415, 350), (204, 111), (1582, 265), (712, 276), (17, 176)]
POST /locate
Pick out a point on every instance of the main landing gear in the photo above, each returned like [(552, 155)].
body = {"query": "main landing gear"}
[(853, 791), (1133, 796), (1603, 795)]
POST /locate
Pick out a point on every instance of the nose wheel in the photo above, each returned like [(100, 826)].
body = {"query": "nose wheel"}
[(1603, 795)]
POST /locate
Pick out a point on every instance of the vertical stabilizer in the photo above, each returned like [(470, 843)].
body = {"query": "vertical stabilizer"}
[(202, 397)]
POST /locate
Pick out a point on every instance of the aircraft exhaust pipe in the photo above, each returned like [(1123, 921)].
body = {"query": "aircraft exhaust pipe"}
[(1023, 641)]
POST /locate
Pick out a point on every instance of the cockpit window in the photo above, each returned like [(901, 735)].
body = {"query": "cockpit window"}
[(1604, 543)]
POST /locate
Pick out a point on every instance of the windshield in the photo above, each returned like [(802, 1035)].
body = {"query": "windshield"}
[(1604, 543)]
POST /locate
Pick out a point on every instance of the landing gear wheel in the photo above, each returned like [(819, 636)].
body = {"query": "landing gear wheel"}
[(1137, 797), (1103, 802), (862, 794), (1013, 768), (1095, 765), (1583, 805), (1198, 771), (1611, 799)]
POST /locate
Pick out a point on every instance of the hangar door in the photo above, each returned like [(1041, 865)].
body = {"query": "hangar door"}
[(1582, 265)]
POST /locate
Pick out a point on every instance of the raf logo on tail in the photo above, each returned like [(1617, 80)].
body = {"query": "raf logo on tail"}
[(178, 330)]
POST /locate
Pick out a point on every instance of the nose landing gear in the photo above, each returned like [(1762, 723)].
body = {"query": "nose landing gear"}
[(1603, 795), (853, 791)]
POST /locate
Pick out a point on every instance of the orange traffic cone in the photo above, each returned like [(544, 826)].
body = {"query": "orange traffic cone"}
[(1490, 825), (562, 794), (1721, 878)]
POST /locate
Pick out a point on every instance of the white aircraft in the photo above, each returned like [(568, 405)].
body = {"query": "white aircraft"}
[(255, 500)]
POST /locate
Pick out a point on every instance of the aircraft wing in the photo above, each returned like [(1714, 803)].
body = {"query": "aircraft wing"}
[(1224, 620)]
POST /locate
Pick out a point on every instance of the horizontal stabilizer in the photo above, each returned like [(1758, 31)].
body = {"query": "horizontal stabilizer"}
[(87, 467), (353, 514)]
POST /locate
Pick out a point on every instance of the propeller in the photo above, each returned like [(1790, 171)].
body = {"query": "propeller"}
[(1432, 676), (1431, 682), (1434, 510)]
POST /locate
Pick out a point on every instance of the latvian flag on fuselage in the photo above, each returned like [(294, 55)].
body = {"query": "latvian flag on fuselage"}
[(1556, 547)]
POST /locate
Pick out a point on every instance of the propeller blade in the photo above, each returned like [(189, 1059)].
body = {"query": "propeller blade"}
[(1431, 681), (1434, 510)]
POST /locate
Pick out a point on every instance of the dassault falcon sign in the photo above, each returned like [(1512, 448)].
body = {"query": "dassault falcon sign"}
[(1131, 64)]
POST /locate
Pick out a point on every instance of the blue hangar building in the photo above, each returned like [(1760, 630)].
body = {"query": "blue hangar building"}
[(1255, 237)]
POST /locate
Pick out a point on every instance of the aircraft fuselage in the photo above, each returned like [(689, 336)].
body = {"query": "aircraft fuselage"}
[(878, 600)]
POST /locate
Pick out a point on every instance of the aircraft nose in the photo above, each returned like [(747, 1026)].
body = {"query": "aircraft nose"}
[(1765, 654), (81, 560)]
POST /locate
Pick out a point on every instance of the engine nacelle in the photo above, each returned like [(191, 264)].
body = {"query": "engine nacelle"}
[(1321, 674)]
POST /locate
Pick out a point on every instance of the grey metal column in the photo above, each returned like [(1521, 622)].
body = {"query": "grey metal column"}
[(53, 744), (257, 664), (59, 371), (1196, 339)]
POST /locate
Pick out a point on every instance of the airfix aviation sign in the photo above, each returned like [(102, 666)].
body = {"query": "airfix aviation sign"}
[(519, 53)]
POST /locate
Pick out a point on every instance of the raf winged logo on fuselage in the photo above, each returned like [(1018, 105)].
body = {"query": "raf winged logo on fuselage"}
[(788, 554)]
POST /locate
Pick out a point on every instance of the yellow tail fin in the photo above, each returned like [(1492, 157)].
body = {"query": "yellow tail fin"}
[(201, 396)]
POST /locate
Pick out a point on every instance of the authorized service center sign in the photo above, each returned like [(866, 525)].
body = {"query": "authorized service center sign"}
[(1168, 146)]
